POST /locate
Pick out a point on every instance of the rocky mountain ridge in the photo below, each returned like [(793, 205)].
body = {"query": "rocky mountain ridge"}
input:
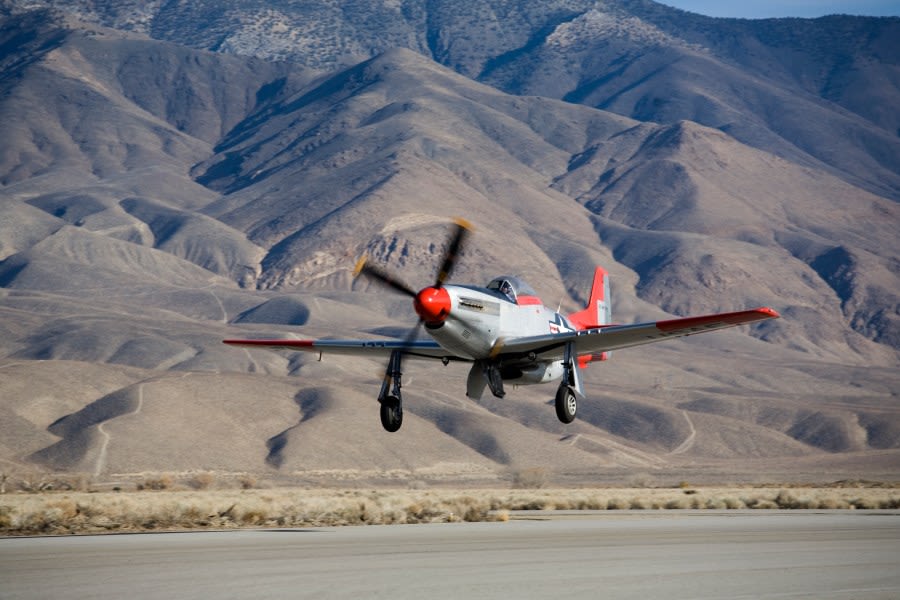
[(781, 85)]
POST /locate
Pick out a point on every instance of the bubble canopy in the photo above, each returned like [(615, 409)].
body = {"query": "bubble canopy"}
[(510, 286)]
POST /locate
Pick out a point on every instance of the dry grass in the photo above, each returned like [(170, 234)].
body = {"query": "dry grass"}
[(77, 512), (86, 512)]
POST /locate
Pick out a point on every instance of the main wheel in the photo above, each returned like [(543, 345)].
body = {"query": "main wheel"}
[(566, 404), (391, 414)]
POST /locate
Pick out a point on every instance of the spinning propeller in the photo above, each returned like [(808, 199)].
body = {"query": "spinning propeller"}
[(432, 305)]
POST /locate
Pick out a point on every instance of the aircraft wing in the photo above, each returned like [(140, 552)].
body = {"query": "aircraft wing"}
[(615, 337), (371, 348), (547, 347)]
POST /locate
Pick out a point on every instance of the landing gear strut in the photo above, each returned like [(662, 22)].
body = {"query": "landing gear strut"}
[(390, 398)]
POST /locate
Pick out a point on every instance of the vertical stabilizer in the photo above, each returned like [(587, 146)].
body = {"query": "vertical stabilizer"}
[(597, 313), (599, 307)]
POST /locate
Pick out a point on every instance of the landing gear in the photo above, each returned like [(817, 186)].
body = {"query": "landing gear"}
[(566, 400), (566, 404), (493, 377), (391, 413), (390, 399)]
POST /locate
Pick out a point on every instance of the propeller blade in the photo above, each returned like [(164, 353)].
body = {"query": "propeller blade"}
[(364, 268), (412, 335), (392, 376), (456, 241)]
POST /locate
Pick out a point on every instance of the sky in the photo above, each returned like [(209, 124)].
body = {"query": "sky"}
[(761, 9)]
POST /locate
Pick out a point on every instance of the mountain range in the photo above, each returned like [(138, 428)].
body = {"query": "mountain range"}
[(173, 174)]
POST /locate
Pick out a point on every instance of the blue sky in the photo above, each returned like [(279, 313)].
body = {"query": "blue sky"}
[(759, 9)]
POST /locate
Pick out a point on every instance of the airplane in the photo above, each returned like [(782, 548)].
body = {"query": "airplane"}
[(505, 332)]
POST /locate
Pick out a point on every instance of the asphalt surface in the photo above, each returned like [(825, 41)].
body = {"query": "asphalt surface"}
[(672, 555)]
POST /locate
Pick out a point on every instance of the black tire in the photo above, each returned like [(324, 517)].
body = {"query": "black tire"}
[(566, 404), (391, 414)]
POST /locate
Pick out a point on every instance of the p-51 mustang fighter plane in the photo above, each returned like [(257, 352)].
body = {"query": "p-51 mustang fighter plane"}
[(507, 334)]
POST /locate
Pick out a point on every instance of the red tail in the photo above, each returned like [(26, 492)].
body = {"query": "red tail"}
[(597, 313)]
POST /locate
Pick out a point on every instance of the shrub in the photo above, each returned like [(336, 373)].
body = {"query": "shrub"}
[(862, 503), (475, 514), (715, 504), (830, 503), (560, 504), (252, 515), (158, 482), (591, 503), (48, 482), (638, 504), (678, 503), (617, 504), (529, 504), (534, 478), (65, 508), (787, 500), (733, 504), (201, 481)]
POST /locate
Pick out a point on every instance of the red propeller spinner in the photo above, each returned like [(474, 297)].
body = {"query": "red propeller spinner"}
[(432, 305)]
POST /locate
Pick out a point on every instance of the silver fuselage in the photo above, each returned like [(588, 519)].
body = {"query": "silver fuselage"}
[(480, 319)]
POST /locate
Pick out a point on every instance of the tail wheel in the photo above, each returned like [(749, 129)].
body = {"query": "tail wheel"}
[(566, 404), (391, 414)]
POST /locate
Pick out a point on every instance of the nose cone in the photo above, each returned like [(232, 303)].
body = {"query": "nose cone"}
[(432, 305)]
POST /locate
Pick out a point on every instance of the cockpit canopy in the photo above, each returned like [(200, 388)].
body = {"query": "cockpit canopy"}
[(511, 287)]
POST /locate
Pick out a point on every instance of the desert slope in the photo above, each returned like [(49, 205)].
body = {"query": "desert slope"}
[(156, 199)]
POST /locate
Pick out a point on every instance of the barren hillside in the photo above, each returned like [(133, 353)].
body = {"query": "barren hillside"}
[(156, 199)]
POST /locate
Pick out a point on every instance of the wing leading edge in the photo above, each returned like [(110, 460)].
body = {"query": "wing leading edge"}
[(421, 348)]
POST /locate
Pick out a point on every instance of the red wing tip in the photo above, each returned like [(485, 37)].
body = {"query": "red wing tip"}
[(722, 319), (771, 312)]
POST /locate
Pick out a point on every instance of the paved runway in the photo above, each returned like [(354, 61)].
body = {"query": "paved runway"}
[(672, 555)]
